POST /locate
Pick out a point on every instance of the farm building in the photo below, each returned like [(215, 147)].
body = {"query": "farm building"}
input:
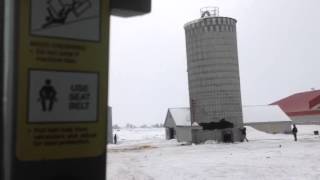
[(178, 123), (270, 119), (302, 108)]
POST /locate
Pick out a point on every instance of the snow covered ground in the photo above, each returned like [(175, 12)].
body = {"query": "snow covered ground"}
[(144, 154)]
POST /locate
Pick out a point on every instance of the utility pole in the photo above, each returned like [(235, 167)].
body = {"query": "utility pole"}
[(55, 86)]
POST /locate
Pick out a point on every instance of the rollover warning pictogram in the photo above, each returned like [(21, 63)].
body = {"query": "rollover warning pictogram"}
[(59, 18)]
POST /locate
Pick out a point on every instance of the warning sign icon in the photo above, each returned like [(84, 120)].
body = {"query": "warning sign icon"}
[(75, 19), (47, 96), (56, 96), (59, 11)]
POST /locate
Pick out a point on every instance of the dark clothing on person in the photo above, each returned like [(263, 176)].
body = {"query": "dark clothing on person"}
[(244, 133), (295, 136), (294, 132), (115, 138)]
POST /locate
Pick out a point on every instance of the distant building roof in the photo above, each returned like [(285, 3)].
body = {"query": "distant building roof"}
[(251, 114), (260, 114), (180, 116), (299, 104)]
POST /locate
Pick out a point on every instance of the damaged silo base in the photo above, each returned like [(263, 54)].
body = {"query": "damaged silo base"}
[(228, 135)]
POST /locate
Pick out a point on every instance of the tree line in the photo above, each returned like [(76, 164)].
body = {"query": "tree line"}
[(131, 126)]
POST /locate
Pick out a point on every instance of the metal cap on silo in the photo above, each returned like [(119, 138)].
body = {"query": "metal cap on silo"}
[(209, 12)]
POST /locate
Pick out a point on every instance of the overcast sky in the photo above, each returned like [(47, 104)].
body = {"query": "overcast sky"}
[(278, 48)]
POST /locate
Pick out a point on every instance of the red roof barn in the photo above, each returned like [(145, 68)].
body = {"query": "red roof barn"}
[(302, 108)]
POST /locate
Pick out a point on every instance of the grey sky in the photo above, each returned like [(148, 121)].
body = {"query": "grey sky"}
[(278, 48)]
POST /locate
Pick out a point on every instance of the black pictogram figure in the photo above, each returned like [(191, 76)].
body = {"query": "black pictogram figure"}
[(60, 16), (47, 96)]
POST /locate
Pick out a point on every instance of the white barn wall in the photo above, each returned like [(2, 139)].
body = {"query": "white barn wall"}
[(169, 122), (307, 120), (183, 134)]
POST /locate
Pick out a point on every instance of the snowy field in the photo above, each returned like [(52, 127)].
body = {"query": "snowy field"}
[(143, 154)]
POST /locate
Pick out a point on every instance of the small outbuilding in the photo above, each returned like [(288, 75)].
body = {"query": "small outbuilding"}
[(178, 124), (268, 118), (302, 108)]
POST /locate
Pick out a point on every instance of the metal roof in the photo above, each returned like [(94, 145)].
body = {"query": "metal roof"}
[(181, 116), (261, 114), (251, 114), (300, 103)]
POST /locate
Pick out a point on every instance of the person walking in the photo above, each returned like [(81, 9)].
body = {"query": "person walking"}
[(115, 138), (294, 132), (244, 133)]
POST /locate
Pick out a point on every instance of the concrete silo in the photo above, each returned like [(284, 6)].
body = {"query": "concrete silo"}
[(213, 74)]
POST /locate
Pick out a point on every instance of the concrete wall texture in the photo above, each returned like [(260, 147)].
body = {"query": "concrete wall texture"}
[(213, 71)]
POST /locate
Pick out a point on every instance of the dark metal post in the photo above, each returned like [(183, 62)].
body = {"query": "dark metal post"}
[(1, 89)]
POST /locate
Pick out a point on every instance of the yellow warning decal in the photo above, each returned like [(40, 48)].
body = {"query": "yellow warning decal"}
[(62, 79)]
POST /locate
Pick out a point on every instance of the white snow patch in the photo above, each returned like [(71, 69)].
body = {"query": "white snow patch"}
[(144, 154)]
